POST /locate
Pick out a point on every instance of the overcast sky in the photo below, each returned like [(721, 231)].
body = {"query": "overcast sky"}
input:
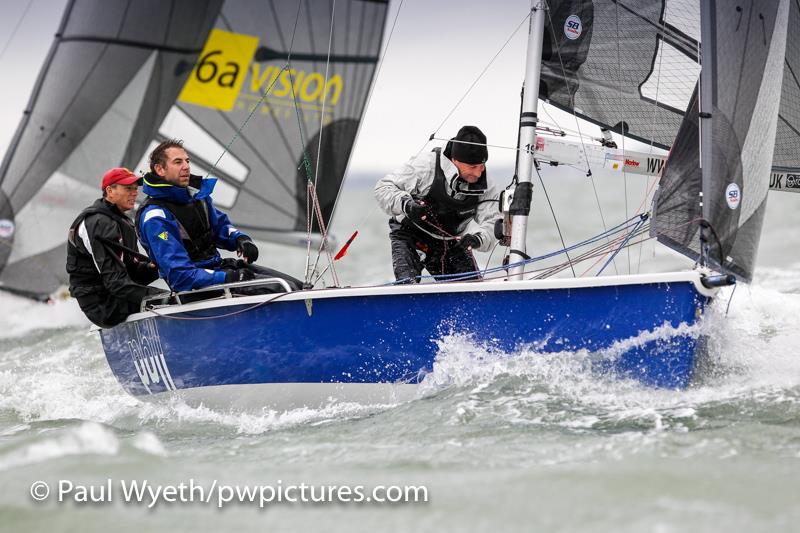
[(437, 51)]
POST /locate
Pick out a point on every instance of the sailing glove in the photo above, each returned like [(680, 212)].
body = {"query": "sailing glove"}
[(414, 210), (469, 241), (245, 248), (241, 274)]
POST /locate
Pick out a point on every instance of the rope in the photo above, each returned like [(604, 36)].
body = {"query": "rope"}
[(16, 27), (501, 270), (475, 82), (247, 119), (622, 227), (622, 129), (577, 123), (226, 315), (555, 220), (621, 246), (370, 92), (325, 93), (311, 196)]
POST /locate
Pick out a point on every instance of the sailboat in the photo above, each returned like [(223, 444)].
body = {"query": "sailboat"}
[(377, 344)]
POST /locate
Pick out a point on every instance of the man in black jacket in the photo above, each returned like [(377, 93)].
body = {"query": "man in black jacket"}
[(106, 274)]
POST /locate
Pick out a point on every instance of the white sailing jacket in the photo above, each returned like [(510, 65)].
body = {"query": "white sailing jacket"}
[(415, 178)]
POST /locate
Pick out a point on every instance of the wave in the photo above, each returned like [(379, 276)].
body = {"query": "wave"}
[(54, 370)]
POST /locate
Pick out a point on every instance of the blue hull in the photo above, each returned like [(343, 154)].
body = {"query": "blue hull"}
[(387, 335)]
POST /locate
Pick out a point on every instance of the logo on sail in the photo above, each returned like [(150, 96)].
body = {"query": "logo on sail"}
[(218, 75), (225, 63), (732, 195), (792, 181), (6, 228), (148, 356), (573, 27)]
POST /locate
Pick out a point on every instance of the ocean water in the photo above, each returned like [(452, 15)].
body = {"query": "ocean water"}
[(523, 443)]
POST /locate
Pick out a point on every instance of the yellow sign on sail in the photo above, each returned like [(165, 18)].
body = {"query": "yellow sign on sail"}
[(218, 75)]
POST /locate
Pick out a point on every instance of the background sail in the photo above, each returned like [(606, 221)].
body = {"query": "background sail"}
[(787, 139), (111, 61), (629, 66), (311, 110), (744, 50)]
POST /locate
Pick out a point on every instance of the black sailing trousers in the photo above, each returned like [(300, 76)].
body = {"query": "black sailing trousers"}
[(438, 257)]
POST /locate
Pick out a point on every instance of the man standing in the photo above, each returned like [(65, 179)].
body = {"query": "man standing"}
[(181, 229), (432, 200), (106, 274)]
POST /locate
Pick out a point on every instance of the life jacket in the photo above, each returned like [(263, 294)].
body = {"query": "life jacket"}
[(447, 216), (193, 223), (82, 271)]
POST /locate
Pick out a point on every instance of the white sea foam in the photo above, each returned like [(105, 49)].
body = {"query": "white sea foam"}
[(753, 358), (65, 376), (86, 438), (253, 423), (89, 438), (22, 316)]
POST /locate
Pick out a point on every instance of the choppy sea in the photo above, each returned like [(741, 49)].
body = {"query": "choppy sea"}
[(524, 443)]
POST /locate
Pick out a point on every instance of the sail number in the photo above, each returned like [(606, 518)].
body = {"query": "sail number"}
[(218, 75), (206, 71)]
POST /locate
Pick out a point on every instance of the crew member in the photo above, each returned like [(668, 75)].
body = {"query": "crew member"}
[(433, 199), (107, 275), (181, 229)]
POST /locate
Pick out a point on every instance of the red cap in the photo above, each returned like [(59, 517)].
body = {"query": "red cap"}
[(119, 175)]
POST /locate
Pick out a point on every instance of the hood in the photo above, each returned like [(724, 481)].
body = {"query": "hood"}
[(102, 203), (198, 189)]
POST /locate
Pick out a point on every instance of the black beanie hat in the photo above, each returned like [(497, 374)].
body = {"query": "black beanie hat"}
[(472, 154)]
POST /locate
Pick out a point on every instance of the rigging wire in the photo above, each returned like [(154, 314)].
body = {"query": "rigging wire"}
[(16, 27), (370, 92), (622, 124), (555, 219), (577, 123), (475, 82), (325, 93), (311, 196)]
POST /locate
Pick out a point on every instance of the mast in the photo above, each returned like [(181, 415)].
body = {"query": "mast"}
[(706, 102), (521, 203)]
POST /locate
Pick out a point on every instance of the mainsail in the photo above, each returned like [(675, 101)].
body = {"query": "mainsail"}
[(299, 88), (278, 86), (629, 66), (786, 160)]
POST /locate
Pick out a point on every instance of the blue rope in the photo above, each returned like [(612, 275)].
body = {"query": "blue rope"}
[(624, 242), (619, 228)]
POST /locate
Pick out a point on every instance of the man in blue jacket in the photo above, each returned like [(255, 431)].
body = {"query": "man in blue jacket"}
[(181, 229)]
